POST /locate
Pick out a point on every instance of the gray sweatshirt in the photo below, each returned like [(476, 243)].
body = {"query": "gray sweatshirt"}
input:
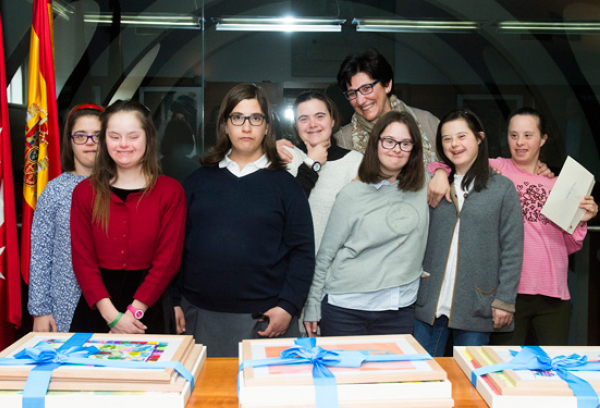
[(374, 239)]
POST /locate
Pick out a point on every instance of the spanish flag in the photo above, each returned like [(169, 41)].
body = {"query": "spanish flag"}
[(42, 150), (10, 277)]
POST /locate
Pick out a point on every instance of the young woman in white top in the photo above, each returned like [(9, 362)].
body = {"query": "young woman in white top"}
[(319, 164)]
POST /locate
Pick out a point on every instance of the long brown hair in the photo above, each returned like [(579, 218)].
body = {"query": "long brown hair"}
[(67, 156), (412, 175), (235, 95), (105, 169)]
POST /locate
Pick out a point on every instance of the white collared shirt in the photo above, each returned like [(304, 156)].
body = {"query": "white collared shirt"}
[(382, 183), (250, 168)]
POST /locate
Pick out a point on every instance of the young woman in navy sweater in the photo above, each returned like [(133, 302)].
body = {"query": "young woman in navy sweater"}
[(248, 256)]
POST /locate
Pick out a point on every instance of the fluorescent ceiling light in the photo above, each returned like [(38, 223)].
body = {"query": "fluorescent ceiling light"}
[(279, 24), (413, 26), (147, 20), (520, 27)]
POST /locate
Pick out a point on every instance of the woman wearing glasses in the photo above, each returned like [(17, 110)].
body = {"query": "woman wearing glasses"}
[(53, 289), (128, 223), (370, 259), (366, 78), (249, 248)]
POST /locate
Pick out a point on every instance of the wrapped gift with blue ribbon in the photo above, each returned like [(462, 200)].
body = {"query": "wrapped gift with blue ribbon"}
[(306, 351), (535, 358), (72, 352)]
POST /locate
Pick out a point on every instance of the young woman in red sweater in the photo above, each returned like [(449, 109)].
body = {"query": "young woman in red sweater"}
[(127, 226)]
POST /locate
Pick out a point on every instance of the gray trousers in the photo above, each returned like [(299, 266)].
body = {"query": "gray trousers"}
[(221, 332)]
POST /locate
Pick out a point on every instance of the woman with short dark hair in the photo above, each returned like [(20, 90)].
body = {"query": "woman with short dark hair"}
[(367, 80)]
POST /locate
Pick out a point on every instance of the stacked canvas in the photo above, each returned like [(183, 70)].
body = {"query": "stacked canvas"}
[(96, 387), (525, 388), (421, 383)]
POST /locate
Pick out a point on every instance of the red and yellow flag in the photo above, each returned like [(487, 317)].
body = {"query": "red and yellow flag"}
[(10, 278), (42, 149)]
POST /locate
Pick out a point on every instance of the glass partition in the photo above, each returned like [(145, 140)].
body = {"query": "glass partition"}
[(490, 56)]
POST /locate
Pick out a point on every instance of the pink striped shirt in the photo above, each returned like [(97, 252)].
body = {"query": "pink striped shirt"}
[(547, 247)]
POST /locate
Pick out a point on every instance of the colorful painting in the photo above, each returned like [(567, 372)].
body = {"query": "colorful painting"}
[(364, 348), (523, 388), (524, 382), (124, 347), (528, 378), (124, 350), (420, 370)]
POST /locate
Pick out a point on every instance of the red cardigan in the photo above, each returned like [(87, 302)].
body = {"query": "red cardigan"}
[(143, 233)]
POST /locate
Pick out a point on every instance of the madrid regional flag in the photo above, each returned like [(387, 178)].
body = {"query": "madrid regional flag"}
[(10, 278)]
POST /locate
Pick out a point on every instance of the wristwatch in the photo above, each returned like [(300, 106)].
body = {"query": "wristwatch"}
[(312, 164), (137, 313)]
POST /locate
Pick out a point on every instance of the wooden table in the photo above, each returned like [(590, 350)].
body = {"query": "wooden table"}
[(216, 385)]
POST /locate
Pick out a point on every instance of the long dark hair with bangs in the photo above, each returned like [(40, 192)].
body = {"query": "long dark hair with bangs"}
[(412, 175), (105, 169), (480, 170), (235, 95)]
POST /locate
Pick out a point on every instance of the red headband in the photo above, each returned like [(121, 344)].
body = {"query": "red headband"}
[(88, 106)]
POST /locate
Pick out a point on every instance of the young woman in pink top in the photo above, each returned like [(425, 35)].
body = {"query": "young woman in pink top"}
[(543, 295)]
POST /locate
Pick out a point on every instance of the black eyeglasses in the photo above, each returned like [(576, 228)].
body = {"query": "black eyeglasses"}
[(366, 89), (254, 119), (82, 138), (389, 143)]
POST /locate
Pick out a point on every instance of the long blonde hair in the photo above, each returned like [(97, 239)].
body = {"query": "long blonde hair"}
[(105, 169)]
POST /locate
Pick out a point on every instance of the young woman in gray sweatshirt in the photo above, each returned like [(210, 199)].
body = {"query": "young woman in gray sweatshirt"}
[(370, 259)]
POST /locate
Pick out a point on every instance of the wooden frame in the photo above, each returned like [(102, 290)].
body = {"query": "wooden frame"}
[(522, 382), (175, 385), (150, 397), (521, 388), (177, 349), (423, 370)]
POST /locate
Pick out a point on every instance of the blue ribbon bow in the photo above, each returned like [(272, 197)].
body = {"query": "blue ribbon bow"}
[(71, 352), (534, 358), (306, 351)]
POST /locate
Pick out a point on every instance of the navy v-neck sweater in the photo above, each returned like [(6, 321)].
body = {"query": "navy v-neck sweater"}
[(249, 242)]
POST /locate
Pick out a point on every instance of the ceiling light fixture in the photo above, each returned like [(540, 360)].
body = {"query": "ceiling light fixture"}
[(413, 26), (572, 27), (147, 20), (279, 24)]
